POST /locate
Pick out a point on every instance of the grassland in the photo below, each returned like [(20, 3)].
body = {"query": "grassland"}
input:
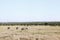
[(30, 32)]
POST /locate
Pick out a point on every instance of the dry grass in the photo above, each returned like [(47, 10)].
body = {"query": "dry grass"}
[(33, 32)]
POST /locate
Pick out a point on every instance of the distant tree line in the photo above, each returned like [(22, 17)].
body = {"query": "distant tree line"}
[(32, 23)]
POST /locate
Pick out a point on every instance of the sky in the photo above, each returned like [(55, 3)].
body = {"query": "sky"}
[(29, 10)]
